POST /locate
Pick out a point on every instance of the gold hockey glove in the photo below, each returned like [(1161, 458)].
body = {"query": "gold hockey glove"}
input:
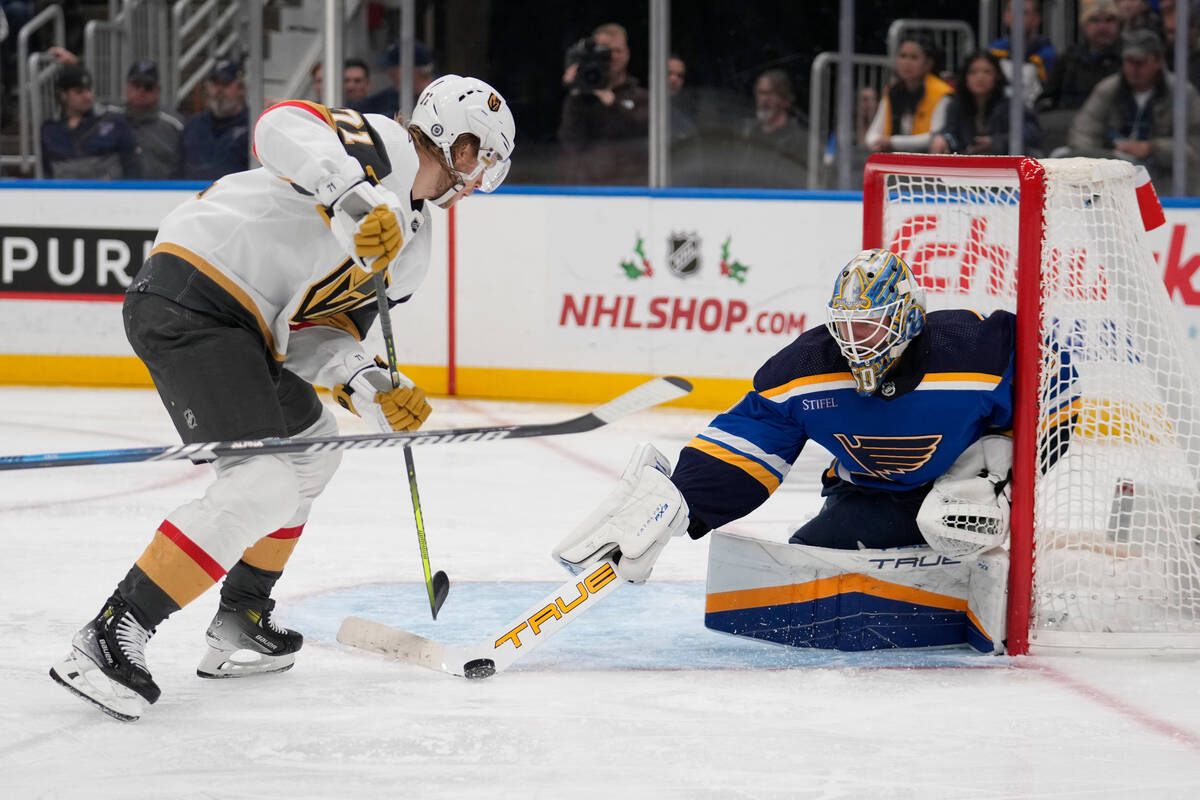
[(369, 394)]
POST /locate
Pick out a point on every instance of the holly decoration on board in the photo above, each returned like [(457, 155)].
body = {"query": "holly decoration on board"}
[(633, 271), (735, 269)]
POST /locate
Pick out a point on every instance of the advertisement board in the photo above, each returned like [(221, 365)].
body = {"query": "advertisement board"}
[(532, 294)]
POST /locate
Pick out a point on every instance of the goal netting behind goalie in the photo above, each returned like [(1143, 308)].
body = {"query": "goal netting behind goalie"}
[(1105, 524)]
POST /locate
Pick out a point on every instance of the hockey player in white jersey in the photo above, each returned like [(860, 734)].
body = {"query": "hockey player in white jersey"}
[(258, 289)]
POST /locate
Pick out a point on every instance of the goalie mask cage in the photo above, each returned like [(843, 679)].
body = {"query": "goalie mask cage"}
[(1104, 546)]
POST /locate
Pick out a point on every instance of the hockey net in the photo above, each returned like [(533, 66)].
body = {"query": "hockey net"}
[(1105, 545)]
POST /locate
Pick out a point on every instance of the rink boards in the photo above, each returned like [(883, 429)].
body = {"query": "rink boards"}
[(533, 294)]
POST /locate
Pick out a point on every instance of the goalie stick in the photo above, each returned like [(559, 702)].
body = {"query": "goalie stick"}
[(648, 395), (520, 637)]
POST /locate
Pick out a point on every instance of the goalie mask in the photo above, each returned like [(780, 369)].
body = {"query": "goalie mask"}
[(876, 309), (453, 105)]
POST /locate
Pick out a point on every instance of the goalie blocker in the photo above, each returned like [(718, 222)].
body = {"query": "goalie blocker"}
[(632, 525)]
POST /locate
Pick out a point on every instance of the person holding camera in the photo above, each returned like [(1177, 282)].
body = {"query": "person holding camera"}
[(605, 116)]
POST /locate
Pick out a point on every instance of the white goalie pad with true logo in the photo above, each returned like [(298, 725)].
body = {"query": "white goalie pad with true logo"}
[(903, 597)]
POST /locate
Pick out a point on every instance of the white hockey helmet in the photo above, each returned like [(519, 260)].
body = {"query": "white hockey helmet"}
[(453, 105)]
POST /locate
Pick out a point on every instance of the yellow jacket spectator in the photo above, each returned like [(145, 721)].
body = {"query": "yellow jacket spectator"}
[(913, 106)]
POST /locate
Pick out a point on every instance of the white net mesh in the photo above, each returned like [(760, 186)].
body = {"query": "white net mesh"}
[(1116, 517)]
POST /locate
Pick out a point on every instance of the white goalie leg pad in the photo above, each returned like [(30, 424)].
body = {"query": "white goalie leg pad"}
[(807, 596), (967, 510), (987, 601), (632, 524)]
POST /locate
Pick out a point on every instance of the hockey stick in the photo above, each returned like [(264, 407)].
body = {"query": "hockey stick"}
[(520, 637), (438, 584), (648, 395)]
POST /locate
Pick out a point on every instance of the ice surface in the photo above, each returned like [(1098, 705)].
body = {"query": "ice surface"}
[(635, 699)]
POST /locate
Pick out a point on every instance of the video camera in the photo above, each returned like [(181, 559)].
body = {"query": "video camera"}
[(593, 60)]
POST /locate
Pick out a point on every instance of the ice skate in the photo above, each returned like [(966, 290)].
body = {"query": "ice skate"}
[(245, 642), (107, 664)]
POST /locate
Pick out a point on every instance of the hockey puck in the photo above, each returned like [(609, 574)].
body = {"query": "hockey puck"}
[(479, 668)]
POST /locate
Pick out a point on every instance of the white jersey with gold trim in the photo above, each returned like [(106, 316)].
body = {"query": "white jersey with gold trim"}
[(262, 236)]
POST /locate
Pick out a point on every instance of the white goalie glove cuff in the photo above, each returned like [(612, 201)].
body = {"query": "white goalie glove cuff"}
[(967, 510), (633, 523)]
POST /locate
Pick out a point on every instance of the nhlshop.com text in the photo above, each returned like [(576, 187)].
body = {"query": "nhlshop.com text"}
[(710, 314)]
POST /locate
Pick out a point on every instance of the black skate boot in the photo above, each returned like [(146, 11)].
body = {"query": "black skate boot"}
[(107, 663), (246, 641)]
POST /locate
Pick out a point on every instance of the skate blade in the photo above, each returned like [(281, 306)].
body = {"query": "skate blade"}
[(82, 678), (242, 664)]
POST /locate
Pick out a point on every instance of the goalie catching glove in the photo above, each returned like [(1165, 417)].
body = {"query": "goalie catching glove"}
[(633, 523), (369, 394), (967, 510), (362, 219)]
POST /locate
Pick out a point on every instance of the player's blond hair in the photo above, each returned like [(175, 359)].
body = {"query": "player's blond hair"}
[(465, 143)]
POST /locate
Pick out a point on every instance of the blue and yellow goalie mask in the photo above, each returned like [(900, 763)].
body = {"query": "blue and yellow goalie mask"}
[(876, 309)]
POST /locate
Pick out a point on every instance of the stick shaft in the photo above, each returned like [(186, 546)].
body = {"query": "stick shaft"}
[(389, 343), (385, 326), (649, 394), (426, 569)]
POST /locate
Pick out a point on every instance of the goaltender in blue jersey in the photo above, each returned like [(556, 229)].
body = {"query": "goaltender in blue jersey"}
[(916, 408), (894, 394)]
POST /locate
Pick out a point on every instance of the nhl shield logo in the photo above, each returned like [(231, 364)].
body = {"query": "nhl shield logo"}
[(683, 254)]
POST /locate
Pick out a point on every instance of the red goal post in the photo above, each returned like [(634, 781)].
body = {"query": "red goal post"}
[(1105, 543)]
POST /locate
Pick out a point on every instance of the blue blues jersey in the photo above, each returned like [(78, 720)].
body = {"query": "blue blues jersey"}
[(952, 385), (100, 147), (215, 147)]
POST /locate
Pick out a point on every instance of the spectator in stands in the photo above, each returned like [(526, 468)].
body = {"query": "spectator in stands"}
[(914, 105), (1138, 14), (687, 156), (83, 144), (356, 81), (865, 111), (1094, 57), (604, 128), (683, 111), (1077, 71), (216, 141), (159, 135), (387, 101), (1039, 50), (1129, 115), (1167, 7), (317, 76), (977, 118), (15, 13), (774, 151)]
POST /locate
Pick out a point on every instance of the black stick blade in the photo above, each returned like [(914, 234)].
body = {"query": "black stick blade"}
[(441, 588)]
